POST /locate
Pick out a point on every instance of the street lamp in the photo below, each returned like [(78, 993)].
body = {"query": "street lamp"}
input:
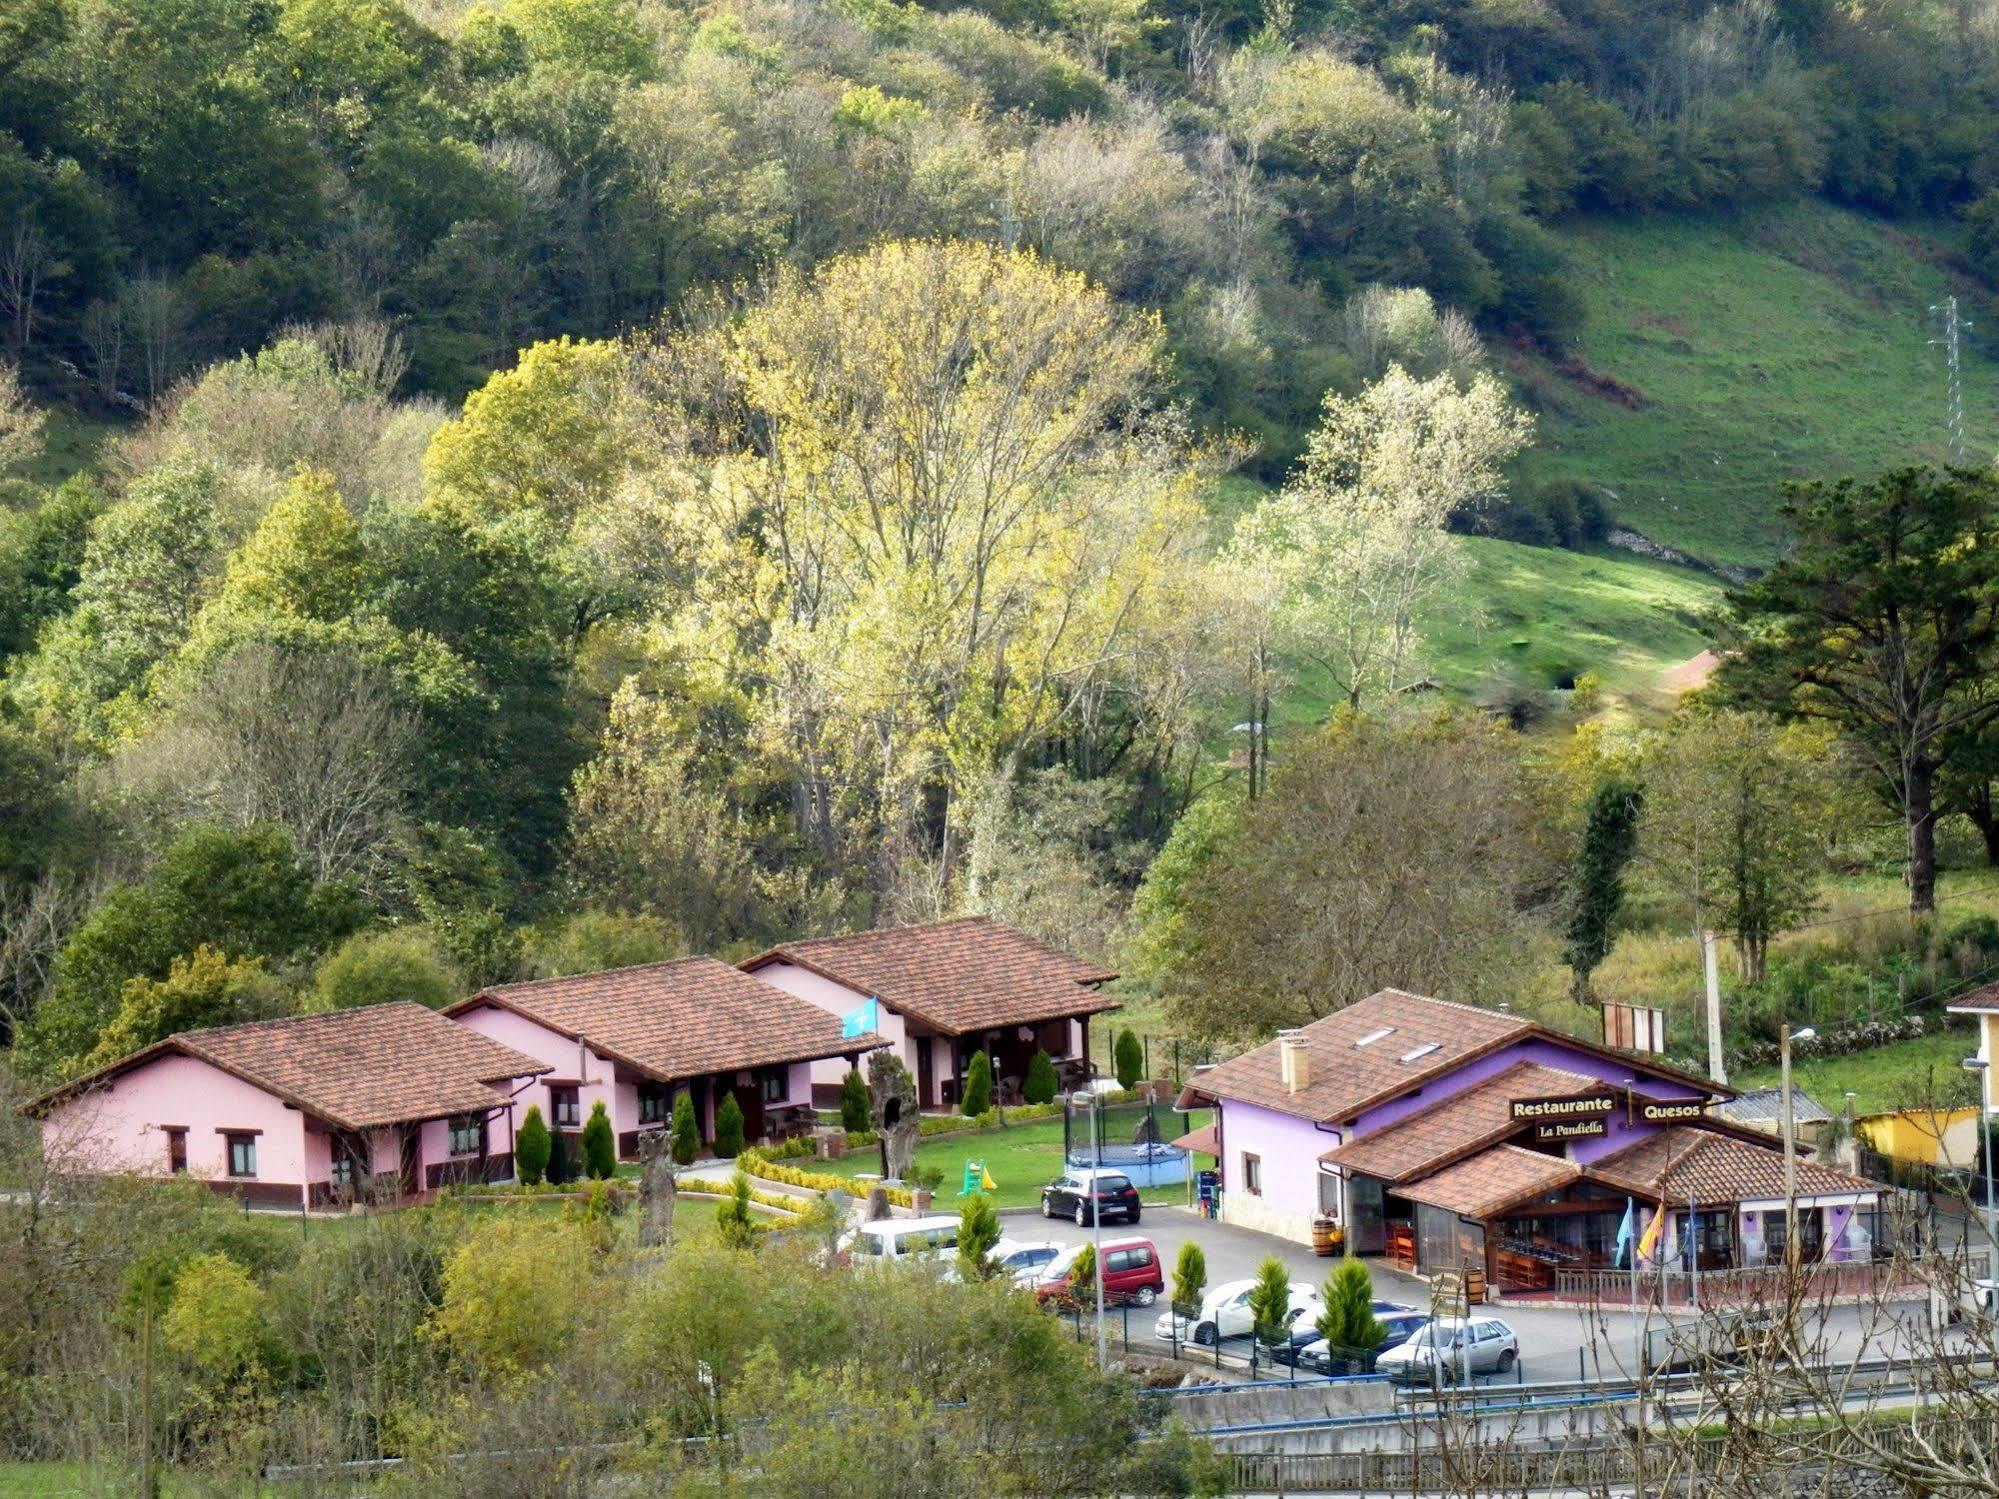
[(1984, 1070), (1096, 1210), (1786, 1040)]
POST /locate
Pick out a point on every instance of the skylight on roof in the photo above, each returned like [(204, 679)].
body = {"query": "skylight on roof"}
[(1373, 1036), (1422, 1051)]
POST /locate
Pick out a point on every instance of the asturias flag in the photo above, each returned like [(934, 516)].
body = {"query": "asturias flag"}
[(860, 1020), (1650, 1242), (1624, 1232)]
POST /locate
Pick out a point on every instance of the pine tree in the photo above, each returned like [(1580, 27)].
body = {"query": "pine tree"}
[(854, 1102), (1348, 1324), (1041, 1084), (686, 1138), (600, 1145), (1128, 1060), (531, 1148), (728, 1128), (978, 1085), (978, 1231)]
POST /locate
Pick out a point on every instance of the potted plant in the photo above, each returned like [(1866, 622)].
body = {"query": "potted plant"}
[(923, 1182)]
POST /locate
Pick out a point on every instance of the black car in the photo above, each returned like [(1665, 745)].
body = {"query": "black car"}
[(1397, 1328), (1086, 1193)]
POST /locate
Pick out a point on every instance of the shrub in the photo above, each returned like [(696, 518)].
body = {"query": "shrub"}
[(1082, 1286), (1041, 1085), (757, 1163), (1128, 1059), (686, 1138), (978, 1232), (854, 1102), (1190, 1279), (532, 1148), (728, 1127), (600, 1145), (732, 1215), (978, 1086)]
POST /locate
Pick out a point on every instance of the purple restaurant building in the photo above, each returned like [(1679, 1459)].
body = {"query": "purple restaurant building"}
[(1448, 1137)]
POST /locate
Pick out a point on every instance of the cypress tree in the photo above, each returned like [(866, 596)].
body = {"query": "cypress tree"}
[(1348, 1324), (531, 1147), (1128, 1059), (1190, 1279), (1041, 1085), (728, 1127), (978, 1232), (600, 1145), (978, 1085), (686, 1138), (1270, 1301), (558, 1158), (854, 1102), (1596, 884)]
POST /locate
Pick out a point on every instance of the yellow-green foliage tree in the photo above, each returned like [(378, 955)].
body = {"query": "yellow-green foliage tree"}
[(205, 988), (518, 1290), (922, 531)]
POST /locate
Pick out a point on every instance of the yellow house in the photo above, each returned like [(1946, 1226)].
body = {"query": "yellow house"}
[(1924, 1137)]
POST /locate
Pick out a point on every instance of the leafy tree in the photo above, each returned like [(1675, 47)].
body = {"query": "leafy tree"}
[(1741, 814), (1190, 1278), (41, 559), (854, 1116), (1348, 1321), (242, 893), (1270, 1301), (372, 968), (218, 1320), (1880, 621), (1041, 1084), (729, 1127), (203, 989), (686, 1135), (732, 1214), (1429, 850), (591, 941), (978, 1085), (532, 1147), (1596, 880), (1128, 1057), (600, 1144), (979, 1232)]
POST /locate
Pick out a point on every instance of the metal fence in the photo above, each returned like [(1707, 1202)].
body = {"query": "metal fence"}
[(1714, 1288)]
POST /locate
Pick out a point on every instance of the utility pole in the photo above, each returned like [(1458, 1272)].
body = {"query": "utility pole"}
[(1953, 346), (1716, 1068)]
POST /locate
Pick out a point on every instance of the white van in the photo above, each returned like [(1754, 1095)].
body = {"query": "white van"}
[(903, 1239)]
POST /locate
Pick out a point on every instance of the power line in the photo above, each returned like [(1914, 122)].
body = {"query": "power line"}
[(1953, 341)]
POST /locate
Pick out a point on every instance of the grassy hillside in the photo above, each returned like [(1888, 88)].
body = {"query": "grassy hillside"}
[(1793, 345)]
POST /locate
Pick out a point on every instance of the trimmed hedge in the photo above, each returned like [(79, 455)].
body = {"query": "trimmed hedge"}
[(756, 1163), (775, 1200)]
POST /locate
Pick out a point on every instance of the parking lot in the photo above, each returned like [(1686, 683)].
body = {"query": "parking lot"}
[(1556, 1343)]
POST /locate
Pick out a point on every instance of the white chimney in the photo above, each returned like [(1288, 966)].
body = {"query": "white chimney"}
[(1294, 1061)]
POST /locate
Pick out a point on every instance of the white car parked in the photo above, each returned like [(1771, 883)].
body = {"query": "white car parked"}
[(1225, 1313), (902, 1239), (1025, 1262), (1451, 1348)]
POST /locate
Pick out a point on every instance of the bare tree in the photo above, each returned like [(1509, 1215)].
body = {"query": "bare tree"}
[(315, 742)]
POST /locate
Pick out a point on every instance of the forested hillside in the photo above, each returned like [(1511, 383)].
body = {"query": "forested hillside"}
[(518, 487)]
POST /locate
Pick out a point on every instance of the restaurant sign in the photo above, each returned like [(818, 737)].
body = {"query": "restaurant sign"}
[(1571, 1129), (1576, 1106)]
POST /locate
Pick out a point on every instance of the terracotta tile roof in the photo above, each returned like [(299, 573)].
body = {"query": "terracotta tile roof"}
[(1493, 1180), (1345, 1076), (1687, 1161), (959, 977), (1458, 1125), (680, 1019), (356, 1069)]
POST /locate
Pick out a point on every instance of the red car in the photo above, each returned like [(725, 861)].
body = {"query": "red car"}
[(1132, 1273)]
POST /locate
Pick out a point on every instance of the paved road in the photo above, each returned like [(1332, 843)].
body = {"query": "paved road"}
[(1555, 1343)]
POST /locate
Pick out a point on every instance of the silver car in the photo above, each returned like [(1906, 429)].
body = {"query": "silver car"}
[(1452, 1348)]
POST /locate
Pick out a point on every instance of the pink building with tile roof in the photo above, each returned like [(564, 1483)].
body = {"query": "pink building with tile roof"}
[(384, 1102)]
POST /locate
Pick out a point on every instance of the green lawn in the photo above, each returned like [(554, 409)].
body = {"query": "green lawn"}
[(1792, 344), (1021, 1159), (1907, 1074)]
